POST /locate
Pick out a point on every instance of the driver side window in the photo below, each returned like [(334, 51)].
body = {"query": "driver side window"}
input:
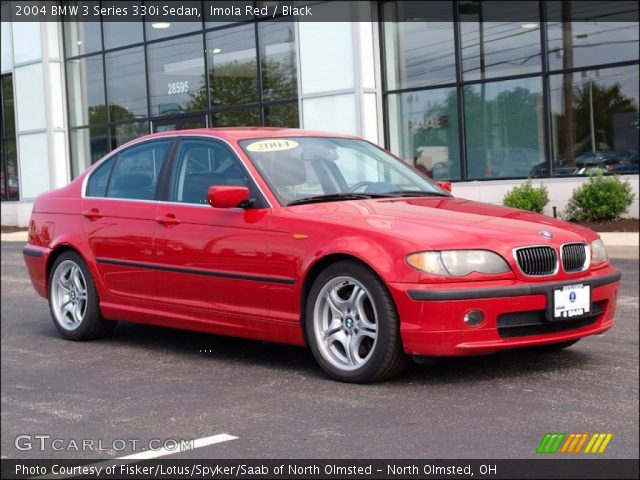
[(201, 164)]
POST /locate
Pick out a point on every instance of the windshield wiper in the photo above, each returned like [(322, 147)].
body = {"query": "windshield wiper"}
[(334, 197), (415, 193)]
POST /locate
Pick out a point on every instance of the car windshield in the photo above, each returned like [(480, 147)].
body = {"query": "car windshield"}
[(321, 169)]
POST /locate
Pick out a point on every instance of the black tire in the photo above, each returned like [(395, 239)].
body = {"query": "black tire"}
[(385, 357), (92, 324), (556, 347)]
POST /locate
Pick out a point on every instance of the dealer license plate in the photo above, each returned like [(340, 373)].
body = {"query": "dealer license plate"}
[(571, 301)]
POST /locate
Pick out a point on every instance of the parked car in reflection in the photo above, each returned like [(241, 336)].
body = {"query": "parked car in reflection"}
[(629, 164), (314, 239), (502, 162)]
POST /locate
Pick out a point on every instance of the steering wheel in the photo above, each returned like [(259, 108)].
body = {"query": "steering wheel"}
[(359, 185)]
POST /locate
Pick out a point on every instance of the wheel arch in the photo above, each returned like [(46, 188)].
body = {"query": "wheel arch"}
[(317, 268)]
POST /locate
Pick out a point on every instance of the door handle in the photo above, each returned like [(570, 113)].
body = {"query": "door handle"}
[(93, 214), (168, 220)]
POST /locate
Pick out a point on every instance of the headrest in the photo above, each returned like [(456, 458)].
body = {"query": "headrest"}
[(319, 152), (132, 181), (288, 172)]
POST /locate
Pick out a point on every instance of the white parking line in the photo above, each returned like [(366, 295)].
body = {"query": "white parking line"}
[(197, 443), (161, 452)]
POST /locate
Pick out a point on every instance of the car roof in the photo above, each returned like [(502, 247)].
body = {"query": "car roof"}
[(244, 133)]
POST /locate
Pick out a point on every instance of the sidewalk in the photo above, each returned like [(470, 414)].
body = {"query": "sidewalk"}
[(610, 239)]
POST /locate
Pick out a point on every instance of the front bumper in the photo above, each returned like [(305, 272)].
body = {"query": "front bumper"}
[(516, 314)]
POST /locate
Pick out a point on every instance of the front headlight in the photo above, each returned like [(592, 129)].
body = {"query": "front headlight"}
[(458, 263), (598, 252)]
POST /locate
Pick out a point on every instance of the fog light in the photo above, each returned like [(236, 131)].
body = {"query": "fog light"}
[(474, 318)]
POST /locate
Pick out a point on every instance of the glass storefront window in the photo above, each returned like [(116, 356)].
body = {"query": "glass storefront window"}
[(282, 115), (581, 34), (278, 60), (243, 117), (179, 123), (423, 130), (9, 185), (85, 87), (504, 128), (495, 49), (418, 53), (176, 76), (232, 63), (123, 132), (594, 121), (126, 84), (88, 145), (81, 38), (158, 28), (121, 34)]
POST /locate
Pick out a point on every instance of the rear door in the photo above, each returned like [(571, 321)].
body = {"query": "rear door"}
[(213, 261), (119, 210)]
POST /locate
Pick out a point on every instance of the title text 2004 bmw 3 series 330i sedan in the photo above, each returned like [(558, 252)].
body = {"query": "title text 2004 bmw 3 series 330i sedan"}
[(303, 238)]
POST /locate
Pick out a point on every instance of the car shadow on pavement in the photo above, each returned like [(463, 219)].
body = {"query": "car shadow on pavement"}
[(285, 358)]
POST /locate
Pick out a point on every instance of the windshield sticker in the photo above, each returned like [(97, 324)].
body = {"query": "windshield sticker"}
[(272, 145)]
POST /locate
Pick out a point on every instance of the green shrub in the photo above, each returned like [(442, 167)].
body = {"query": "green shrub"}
[(527, 197), (600, 198)]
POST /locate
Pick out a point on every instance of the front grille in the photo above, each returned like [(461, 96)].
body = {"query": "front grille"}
[(534, 322), (537, 261), (574, 257)]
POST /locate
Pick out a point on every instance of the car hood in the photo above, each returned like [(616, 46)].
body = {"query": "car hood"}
[(448, 222)]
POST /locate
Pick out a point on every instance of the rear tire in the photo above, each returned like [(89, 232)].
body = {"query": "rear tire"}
[(73, 300), (352, 325)]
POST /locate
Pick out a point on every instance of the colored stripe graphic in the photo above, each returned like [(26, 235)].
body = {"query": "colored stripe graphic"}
[(572, 443)]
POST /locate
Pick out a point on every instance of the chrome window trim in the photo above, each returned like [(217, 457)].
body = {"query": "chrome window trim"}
[(587, 262), (143, 140), (515, 258)]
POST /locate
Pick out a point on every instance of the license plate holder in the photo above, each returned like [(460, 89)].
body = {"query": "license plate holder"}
[(570, 301)]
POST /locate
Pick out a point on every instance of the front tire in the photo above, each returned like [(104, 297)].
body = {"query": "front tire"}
[(352, 325), (73, 300)]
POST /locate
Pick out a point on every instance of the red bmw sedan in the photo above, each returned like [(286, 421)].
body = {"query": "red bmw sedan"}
[(310, 239)]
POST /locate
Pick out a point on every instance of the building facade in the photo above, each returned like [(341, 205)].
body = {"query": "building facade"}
[(457, 88)]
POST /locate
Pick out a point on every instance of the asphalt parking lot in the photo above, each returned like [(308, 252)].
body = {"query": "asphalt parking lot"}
[(152, 383)]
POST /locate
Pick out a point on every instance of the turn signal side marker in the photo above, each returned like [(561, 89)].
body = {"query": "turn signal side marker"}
[(300, 236)]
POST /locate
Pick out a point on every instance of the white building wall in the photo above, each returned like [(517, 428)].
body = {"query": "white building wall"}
[(32, 52)]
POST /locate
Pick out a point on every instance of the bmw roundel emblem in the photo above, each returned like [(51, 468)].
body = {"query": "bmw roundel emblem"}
[(546, 234), (572, 297)]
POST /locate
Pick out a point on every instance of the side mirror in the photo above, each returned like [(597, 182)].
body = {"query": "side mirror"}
[(229, 197), (446, 186)]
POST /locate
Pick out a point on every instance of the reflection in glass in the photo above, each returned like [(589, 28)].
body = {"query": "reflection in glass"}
[(504, 128), (423, 129), (418, 53), (81, 37), (598, 127), (180, 123), (158, 28), (126, 85), (282, 115), (243, 117), (176, 75), (121, 34), (88, 145), (233, 75), (122, 133), (495, 49), (278, 60), (85, 86), (580, 34), (8, 118), (10, 172)]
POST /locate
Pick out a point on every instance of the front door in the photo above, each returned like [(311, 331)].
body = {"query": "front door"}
[(213, 261)]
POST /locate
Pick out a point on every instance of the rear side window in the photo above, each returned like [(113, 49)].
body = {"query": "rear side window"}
[(137, 170), (97, 186)]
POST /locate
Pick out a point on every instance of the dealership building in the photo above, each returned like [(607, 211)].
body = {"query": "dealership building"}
[(484, 94)]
